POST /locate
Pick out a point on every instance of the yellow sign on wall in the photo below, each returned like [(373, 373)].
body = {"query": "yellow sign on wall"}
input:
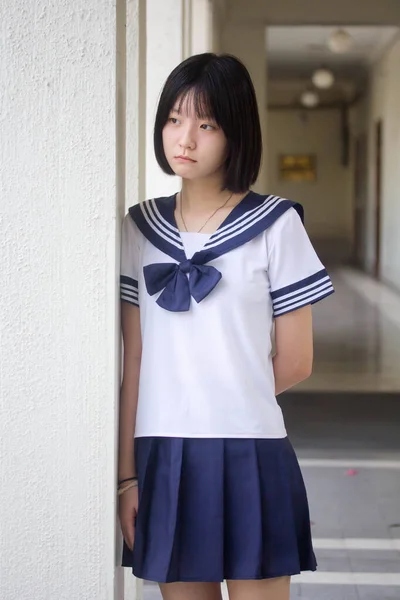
[(297, 167)]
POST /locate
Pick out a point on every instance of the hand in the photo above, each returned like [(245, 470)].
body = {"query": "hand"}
[(127, 511)]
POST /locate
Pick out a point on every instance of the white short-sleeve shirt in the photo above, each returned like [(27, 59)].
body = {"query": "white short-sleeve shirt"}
[(207, 306)]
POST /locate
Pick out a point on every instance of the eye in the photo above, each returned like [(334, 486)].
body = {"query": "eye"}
[(173, 120), (206, 125)]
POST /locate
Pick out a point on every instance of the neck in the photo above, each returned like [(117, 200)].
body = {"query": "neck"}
[(203, 194)]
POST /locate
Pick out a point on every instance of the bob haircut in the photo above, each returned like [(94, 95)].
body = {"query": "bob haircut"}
[(220, 88)]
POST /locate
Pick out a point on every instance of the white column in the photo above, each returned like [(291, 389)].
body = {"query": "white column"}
[(135, 121), (165, 50), (186, 28), (134, 143), (61, 198), (201, 26), (249, 44)]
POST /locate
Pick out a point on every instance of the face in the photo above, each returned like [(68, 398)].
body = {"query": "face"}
[(195, 148)]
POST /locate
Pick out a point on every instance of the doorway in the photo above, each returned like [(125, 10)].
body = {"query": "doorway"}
[(360, 201), (378, 195)]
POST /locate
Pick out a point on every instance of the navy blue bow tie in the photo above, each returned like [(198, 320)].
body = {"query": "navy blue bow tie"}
[(177, 286)]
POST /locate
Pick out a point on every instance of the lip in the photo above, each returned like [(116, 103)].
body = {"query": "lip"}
[(184, 159)]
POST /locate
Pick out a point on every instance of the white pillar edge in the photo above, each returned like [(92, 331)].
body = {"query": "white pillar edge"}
[(136, 62), (133, 180)]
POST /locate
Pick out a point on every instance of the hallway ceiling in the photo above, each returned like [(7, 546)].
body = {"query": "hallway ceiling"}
[(295, 52)]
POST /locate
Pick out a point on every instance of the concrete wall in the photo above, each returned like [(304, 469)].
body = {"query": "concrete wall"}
[(249, 44), (59, 311), (383, 104), (390, 238), (219, 10), (328, 201), (358, 120)]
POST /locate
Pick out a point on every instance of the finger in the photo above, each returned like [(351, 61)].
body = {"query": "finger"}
[(129, 536), (128, 542)]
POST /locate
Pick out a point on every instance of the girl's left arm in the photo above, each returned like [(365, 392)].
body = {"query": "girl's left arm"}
[(293, 359)]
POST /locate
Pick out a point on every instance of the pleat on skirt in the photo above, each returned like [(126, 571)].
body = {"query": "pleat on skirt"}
[(215, 509)]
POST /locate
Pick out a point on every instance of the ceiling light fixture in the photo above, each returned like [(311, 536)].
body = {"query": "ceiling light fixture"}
[(309, 99), (340, 41), (323, 79)]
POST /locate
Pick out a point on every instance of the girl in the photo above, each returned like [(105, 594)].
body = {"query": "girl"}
[(209, 484)]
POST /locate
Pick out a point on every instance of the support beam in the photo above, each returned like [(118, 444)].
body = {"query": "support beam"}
[(315, 12)]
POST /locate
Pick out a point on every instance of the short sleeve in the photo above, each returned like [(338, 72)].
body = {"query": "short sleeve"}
[(297, 276), (129, 262)]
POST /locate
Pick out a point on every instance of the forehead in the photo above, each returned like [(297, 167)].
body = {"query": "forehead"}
[(193, 105)]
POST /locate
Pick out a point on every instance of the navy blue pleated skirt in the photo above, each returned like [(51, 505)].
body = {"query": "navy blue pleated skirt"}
[(215, 509)]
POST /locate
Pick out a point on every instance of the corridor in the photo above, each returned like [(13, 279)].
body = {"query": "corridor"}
[(345, 425)]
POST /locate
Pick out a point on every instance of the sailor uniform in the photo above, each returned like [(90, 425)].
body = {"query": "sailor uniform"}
[(220, 490)]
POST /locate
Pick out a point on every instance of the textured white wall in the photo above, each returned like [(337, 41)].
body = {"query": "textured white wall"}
[(58, 276)]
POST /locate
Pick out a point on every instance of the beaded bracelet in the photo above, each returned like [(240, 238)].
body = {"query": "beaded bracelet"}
[(127, 487)]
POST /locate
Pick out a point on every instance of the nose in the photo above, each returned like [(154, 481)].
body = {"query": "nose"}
[(187, 140)]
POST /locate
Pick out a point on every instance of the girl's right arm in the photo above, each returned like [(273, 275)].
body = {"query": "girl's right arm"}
[(130, 319), (128, 504), (294, 348)]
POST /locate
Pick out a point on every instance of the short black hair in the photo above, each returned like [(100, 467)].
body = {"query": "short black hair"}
[(221, 88)]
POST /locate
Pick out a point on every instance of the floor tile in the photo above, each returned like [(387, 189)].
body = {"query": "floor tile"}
[(329, 592), (378, 593), (378, 564), (295, 591)]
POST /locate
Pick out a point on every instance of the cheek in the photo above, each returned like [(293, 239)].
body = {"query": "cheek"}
[(165, 137), (168, 139), (219, 150)]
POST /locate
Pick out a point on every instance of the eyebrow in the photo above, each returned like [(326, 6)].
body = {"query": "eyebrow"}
[(204, 117)]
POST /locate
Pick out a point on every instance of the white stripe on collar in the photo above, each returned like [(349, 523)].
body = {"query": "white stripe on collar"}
[(244, 222), (156, 221)]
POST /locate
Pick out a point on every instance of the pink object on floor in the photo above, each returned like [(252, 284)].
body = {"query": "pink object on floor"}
[(351, 472)]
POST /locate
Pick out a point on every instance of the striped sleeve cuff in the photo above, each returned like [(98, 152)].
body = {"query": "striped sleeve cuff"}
[(307, 291), (129, 290)]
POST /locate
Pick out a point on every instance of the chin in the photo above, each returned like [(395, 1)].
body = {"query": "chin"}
[(185, 171)]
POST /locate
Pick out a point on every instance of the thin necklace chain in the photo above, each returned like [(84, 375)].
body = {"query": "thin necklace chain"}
[(209, 218)]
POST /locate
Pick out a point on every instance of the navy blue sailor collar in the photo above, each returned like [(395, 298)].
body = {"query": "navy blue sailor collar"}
[(194, 278)]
